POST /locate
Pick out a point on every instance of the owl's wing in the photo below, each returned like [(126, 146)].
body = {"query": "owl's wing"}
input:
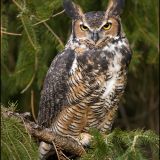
[(53, 95)]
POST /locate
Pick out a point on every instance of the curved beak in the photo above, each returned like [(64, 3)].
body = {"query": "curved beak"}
[(95, 36)]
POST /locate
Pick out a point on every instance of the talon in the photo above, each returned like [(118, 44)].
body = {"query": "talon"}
[(85, 139)]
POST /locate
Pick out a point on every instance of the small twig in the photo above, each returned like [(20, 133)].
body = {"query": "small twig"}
[(134, 142), (29, 84), (59, 153), (58, 13), (32, 106), (56, 150), (44, 20), (19, 6), (10, 33), (64, 156)]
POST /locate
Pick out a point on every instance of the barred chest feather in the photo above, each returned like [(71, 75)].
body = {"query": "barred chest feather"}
[(105, 67), (96, 82)]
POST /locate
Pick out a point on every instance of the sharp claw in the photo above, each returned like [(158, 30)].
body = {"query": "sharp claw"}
[(85, 139)]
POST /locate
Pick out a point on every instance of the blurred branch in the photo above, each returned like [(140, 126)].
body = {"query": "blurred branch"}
[(10, 33), (3, 28), (18, 5), (29, 84)]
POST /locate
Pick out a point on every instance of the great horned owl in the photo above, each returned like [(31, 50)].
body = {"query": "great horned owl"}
[(85, 82)]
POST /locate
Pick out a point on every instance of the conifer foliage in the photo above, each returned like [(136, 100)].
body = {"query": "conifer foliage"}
[(16, 143), (123, 145), (28, 41)]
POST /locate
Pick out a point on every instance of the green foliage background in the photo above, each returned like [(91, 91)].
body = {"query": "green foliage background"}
[(25, 58)]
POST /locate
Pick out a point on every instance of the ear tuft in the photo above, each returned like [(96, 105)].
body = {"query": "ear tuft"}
[(72, 9), (115, 7)]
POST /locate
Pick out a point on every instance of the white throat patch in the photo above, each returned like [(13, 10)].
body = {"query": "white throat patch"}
[(74, 66)]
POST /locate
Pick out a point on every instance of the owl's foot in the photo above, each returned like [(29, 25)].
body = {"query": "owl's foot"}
[(44, 150), (69, 140), (85, 139)]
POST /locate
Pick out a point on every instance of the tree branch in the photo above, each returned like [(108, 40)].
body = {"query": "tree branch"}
[(67, 144)]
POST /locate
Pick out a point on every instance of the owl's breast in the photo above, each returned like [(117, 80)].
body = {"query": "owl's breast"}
[(94, 64), (96, 81), (95, 84), (92, 61), (103, 70)]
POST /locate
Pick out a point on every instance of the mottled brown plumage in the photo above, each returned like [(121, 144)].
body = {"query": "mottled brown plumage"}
[(85, 82)]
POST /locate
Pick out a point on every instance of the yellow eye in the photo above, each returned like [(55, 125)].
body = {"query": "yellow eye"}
[(107, 26), (83, 27)]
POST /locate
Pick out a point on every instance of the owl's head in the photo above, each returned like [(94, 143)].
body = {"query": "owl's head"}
[(98, 27)]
